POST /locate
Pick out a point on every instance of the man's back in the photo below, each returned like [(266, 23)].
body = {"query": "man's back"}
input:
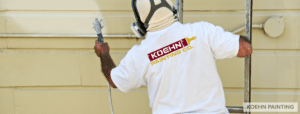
[(177, 64)]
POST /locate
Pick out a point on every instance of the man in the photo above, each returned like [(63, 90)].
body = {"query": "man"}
[(176, 62)]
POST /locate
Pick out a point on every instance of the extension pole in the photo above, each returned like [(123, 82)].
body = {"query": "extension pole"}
[(179, 5), (247, 90)]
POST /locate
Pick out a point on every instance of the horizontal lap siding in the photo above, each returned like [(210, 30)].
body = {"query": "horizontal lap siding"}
[(79, 101), (42, 75), (126, 4), (66, 22), (39, 68), (66, 43)]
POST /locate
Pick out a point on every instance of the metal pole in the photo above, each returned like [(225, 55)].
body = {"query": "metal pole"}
[(247, 91), (179, 5)]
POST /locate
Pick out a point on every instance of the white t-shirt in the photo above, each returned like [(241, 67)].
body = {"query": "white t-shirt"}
[(177, 64)]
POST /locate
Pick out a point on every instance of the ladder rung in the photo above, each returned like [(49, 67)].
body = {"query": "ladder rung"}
[(235, 109)]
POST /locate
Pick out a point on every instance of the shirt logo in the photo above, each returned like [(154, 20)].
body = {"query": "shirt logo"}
[(170, 50)]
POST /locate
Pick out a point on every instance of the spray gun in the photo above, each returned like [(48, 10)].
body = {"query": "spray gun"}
[(98, 26)]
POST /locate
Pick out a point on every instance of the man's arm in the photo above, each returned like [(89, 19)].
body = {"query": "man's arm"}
[(107, 64), (245, 47)]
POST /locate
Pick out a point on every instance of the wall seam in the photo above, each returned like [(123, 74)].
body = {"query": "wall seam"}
[(6, 46), (14, 101), (80, 64)]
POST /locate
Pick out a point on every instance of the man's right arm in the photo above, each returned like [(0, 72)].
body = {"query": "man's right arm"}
[(245, 48), (107, 64)]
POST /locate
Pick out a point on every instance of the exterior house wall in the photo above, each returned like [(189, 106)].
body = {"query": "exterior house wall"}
[(61, 75)]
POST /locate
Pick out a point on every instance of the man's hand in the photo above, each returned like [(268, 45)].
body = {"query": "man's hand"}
[(107, 64), (101, 48), (245, 47)]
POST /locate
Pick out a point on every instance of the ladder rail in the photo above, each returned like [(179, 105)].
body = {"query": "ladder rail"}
[(248, 31), (179, 6)]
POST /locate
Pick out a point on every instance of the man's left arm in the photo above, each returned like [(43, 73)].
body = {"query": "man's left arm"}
[(107, 64)]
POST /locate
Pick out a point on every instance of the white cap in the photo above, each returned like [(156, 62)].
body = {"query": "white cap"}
[(162, 18)]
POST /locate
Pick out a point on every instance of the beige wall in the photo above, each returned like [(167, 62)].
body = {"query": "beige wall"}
[(59, 75)]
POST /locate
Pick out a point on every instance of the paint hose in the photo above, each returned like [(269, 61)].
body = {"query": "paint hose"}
[(110, 99)]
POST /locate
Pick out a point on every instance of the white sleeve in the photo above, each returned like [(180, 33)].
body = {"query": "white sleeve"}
[(125, 76), (223, 44)]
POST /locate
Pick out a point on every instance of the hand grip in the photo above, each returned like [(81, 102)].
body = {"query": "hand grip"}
[(100, 38)]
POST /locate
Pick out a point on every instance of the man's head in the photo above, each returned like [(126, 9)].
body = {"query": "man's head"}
[(161, 18)]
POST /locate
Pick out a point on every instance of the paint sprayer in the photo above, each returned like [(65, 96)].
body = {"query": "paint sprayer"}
[(98, 26)]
